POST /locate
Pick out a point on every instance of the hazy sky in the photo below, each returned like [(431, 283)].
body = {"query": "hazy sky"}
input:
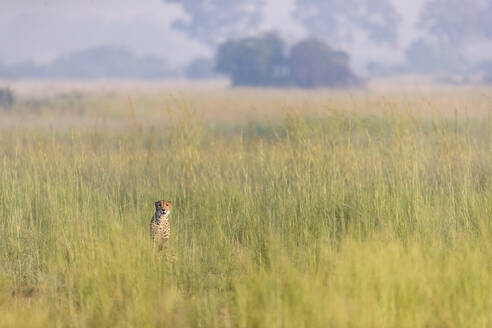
[(40, 30)]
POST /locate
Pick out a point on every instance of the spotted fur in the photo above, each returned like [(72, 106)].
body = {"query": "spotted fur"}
[(160, 229)]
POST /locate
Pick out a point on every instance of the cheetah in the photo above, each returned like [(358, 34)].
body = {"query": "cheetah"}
[(160, 228)]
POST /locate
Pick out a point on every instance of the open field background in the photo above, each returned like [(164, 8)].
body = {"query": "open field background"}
[(291, 208)]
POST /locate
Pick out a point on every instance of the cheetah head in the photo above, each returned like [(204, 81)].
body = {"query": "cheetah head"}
[(162, 208)]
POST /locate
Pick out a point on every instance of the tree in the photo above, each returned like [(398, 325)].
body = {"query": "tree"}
[(315, 64), (261, 62), (423, 57), (339, 20), (253, 61), (214, 21), (458, 21), (456, 26)]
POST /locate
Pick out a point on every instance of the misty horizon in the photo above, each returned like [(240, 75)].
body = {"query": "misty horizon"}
[(44, 31)]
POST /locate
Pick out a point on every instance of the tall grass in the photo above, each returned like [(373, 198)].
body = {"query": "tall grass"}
[(338, 219)]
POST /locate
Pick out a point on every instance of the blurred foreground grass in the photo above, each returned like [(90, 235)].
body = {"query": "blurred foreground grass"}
[(353, 211)]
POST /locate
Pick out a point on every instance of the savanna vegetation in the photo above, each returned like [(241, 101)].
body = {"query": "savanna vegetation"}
[(290, 209)]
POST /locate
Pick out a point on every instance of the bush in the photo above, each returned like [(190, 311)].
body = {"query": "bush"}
[(6, 98)]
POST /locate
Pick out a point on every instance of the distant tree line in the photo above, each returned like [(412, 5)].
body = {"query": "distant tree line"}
[(214, 21), (93, 63), (264, 61)]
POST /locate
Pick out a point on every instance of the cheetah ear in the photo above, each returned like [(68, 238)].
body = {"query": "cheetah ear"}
[(156, 203)]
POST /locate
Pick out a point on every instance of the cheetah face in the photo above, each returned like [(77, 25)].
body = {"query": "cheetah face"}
[(162, 208)]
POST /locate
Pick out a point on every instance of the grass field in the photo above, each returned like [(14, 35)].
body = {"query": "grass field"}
[(291, 209)]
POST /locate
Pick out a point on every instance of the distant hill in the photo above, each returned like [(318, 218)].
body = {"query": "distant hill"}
[(93, 63)]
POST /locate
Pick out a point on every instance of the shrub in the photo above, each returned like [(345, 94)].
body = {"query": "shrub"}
[(6, 98)]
